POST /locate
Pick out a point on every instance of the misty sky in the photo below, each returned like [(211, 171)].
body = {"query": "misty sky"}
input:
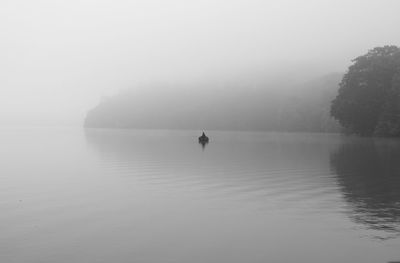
[(58, 58)]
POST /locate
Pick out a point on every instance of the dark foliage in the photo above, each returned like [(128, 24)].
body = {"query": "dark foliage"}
[(368, 99)]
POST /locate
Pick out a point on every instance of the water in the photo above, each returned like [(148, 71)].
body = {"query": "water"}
[(70, 195)]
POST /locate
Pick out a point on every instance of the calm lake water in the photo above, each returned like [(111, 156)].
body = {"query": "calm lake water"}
[(74, 195)]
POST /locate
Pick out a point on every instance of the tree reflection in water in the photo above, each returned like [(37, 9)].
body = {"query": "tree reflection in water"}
[(368, 172)]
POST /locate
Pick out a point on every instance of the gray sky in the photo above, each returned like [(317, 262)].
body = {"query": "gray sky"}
[(58, 58)]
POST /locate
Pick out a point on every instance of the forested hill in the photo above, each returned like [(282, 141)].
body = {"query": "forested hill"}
[(303, 107)]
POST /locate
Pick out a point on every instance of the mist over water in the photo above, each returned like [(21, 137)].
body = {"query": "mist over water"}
[(60, 58), (152, 196), (102, 104)]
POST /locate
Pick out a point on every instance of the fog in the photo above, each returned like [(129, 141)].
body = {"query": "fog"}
[(60, 58)]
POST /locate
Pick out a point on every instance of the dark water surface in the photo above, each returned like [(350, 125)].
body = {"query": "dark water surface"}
[(71, 195)]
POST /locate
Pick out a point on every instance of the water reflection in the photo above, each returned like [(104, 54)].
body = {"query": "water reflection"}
[(368, 172), (275, 170), (307, 174), (147, 196), (203, 144)]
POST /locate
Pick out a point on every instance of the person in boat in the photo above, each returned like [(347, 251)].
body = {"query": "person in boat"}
[(203, 138)]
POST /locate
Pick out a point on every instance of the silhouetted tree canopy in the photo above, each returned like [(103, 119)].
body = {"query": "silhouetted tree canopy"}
[(368, 102)]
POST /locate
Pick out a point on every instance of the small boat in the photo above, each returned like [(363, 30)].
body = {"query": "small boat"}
[(203, 138)]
